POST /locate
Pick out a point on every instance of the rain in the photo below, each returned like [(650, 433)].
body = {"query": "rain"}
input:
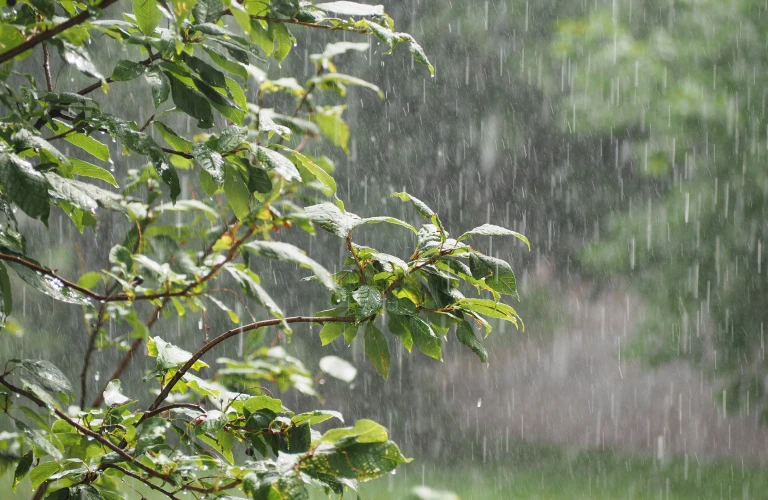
[(625, 139)]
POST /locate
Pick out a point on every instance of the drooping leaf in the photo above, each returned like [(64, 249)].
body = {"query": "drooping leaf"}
[(159, 85), (272, 160), (53, 287), (22, 468), (191, 102), (169, 356), (127, 70), (210, 160), (332, 219), (497, 273), (288, 253), (466, 336), (377, 350), (24, 186), (492, 230)]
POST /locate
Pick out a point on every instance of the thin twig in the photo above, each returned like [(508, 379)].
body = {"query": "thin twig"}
[(142, 479), (166, 297), (47, 67), (232, 333), (357, 259), (95, 435)]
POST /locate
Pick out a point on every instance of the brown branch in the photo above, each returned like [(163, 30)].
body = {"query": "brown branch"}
[(166, 297), (142, 479), (357, 259), (48, 272), (233, 333), (128, 356), (86, 431), (47, 67), (48, 34)]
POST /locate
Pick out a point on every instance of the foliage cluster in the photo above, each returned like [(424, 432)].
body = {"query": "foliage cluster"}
[(248, 180)]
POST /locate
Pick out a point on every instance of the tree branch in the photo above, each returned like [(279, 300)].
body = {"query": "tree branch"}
[(143, 480), (232, 333), (166, 297), (48, 34), (48, 272), (95, 435), (47, 67)]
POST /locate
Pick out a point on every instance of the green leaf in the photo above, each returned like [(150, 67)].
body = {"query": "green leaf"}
[(368, 300), (272, 160), (24, 186), (191, 102), (317, 416), (334, 80), (488, 308), (78, 57), (208, 73), (338, 368), (86, 143), (491, 230), (83, 195), (334, 220), (45, 375), (237, 192), (258, 180), (498, 274), (333, 126), (42, 472), (172, 138), (169, 356), (127, 70), (398, 328), (211, 161), (351, 8), (377, 350), (364, 431), (424, 211), (401, 306), (424, 337), (288, 253), (258, 403), (53, 287), (22, 468), (283, 40), (159, 84), (230, 138), (85, 169), (147, 15), (229, 65), (318, 172), (331, 331), (467, 337)]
